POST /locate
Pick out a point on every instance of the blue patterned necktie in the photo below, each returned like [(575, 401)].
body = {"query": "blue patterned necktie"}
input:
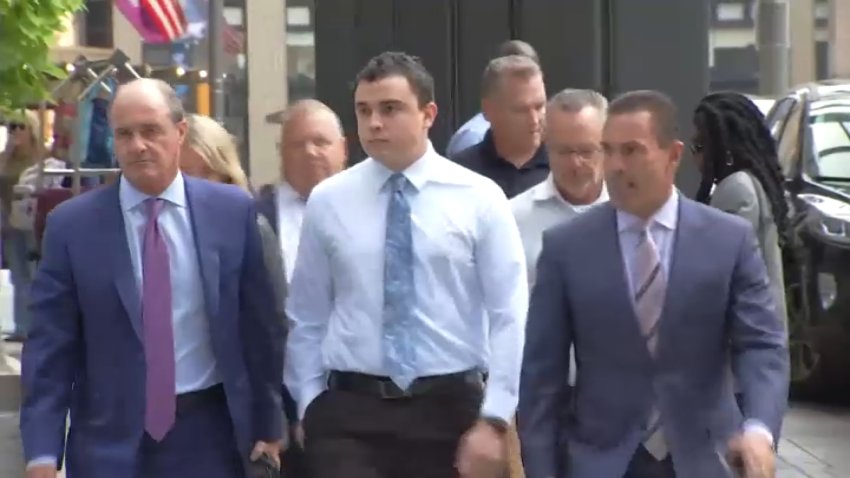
[(399, 356)]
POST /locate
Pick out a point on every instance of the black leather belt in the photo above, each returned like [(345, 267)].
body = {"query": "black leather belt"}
[(191, 400), (386, 389)]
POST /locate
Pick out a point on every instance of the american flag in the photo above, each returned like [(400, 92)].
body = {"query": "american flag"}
[(164, 21), (157, 21), (234, 39), (165, 17)]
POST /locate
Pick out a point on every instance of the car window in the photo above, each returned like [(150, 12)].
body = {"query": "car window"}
[(778, 115), (829, 124), (788, 147)]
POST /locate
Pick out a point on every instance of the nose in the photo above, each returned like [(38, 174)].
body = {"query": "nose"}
[(311, 150), (374, 121), (137, 144)]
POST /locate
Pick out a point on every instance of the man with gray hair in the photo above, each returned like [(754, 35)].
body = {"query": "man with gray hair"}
[(312, 148), (574, 120), (473, 131), (150, 319), (513, 99)]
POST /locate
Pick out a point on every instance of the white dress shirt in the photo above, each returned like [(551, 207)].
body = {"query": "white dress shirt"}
[(536, 210), (469, 270), (540, 208), (290, 214), (195, 366)]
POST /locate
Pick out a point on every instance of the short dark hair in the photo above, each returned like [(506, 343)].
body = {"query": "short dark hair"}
[(659, 106), (518, 47), (393, 63)]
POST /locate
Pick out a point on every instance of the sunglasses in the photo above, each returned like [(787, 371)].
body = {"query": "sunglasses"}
[(696, 148), (16, 126)]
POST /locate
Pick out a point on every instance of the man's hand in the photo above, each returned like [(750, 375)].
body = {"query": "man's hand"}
[(42, 471), (755, 453), (482, 452), (270, 449)]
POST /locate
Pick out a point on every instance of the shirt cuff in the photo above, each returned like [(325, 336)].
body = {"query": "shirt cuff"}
[(499, 404), (756, 426), (42, 460)]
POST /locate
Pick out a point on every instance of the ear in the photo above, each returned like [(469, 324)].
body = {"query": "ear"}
[(430, 111), (487, 109), (182, 127), (676, 149)]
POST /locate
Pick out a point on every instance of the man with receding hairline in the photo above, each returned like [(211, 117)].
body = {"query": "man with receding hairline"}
[(312, 148), (150, 321), (655, 307)]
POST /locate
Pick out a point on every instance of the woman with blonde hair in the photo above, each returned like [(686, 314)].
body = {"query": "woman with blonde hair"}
[(23, 149), (209, 152)]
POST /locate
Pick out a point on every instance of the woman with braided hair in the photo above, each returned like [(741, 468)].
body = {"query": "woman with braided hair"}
[(741, 175)]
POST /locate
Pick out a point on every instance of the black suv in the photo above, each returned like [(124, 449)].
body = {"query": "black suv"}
[(812, 128)]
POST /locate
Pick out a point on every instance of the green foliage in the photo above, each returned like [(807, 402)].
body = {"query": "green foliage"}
[(27, 31)]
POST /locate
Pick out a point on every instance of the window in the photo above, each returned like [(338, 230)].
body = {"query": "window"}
[(789, 141), (822, 10), (731, 12), (98, 24), (301, 49), (829, 125)]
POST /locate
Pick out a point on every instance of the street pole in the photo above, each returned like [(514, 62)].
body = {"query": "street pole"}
[(774, 51), (215, 39)]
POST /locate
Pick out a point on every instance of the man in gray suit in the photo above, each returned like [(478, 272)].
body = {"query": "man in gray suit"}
[(655, 306)]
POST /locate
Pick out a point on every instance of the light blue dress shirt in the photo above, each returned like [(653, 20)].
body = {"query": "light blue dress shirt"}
[(471, 133), (195, 367), (471, 295)]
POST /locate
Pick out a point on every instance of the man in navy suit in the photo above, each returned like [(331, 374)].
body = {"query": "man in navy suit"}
[(152, 319), (656, 293)]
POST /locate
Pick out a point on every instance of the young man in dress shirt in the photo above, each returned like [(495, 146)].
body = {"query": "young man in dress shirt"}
[(410, 271)]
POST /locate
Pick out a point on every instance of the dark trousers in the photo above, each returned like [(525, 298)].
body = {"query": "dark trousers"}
[(358, 435), (644, 465), (201, 444)]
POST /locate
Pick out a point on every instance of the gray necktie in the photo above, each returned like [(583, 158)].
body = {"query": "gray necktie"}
[(650, 289)]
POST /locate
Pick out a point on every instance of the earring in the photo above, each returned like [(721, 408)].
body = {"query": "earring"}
[(729, 158)]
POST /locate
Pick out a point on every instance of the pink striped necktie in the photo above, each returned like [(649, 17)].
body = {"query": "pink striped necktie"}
[(650, 287)]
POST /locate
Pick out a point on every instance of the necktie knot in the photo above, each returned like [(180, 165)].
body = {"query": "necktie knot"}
[(154, 207), (398, 182)]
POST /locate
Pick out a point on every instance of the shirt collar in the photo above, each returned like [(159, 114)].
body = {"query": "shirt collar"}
[(424, 169), (488, 147), (547, 191), (288, 193), (131, 197), (667, 216)]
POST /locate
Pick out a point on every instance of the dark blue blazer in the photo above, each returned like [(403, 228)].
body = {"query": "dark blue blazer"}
[(84, 353)]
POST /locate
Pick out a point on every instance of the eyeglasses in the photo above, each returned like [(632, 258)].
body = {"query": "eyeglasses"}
[(16, 126), (696, 148)]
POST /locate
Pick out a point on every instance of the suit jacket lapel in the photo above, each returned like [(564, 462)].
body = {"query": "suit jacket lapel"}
[(203, 218), (682, 267), (612, 267), (115, 236), (267, 205)]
